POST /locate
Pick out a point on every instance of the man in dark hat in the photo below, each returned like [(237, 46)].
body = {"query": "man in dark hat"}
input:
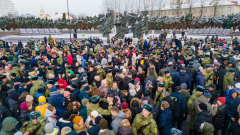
[(145, 119)]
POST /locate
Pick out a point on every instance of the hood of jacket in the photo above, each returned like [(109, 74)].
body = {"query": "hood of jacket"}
[(183, 73), (59, 102), (231, 92), (9, 124), (48, 113), (120, 115), (135, 102), (195, 61)]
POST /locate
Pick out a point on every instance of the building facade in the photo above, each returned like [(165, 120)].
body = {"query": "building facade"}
[(198, 9), (6, 7)]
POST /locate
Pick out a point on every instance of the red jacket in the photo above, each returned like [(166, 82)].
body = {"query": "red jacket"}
[(70, 59), (62, 81)]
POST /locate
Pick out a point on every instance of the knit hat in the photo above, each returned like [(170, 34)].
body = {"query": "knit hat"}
[(137, 79), (13, 74), (207, 94), (77, 119), (124, 105), (15, 96), (183, 86), (222, 99), (132, 92), (130, 85), (86, 88), (178, 88), (97, 119), (48, 128), (29, 98), (66, 115), (22, 85), (103, 124), (66, 130), (85, 101), (23, 106), (202, 106), (26, 80), (40, 90), (94, 113), (11, 91)]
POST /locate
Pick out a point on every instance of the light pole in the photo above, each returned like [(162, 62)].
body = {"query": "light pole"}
[(69, 22)]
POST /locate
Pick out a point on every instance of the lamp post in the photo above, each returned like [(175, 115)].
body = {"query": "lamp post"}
[(69, 22)]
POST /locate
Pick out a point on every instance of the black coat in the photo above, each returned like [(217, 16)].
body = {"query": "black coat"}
[(218, 119), (214, 96), (92, 75), (170, 102), (155, 112), (135, 111), (119, 81), (24, 116), (203, 116), (234, 129), (126, 81), (220, 75)]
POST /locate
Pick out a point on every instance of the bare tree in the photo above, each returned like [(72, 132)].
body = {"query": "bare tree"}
[(202, 6), (215, 6), (106, 6), (191, 4)]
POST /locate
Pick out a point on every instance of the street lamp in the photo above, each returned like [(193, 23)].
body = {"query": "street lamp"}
[(69, 22)]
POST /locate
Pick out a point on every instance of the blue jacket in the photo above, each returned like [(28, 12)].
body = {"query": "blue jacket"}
[(83, 94), (83, 112), (85, 56), (200, 80), (64, 123), (29, 87), (174, 74), (180, 105), (54, 94), (76, 92), (83, 61), (21, 90), (94, 130), (183, 77), (165, 120), (232, 105), (59, 107)]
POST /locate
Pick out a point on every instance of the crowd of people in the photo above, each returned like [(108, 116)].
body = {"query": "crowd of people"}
[(86, 87)]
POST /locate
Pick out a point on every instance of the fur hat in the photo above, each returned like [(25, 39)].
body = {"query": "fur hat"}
[(148, 107), (29, 98)]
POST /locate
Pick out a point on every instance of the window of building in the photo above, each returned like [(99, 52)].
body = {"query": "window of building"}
[(223, 9), (217, 10), (229, 9), (199, 11), (181, 12), (168, 12), (172, 12), (204, 10)]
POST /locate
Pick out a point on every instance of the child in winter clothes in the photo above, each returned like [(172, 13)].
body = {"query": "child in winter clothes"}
[(49, 115), (78, 125)]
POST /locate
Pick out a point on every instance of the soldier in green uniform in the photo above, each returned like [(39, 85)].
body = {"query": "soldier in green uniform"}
[(36, 123), (206, 60), (228, 79), (206, 39), (94, 106), (109, 78), (167, 80), (69, 68), (16, 70), (98, 47), (49, 71), (101, 73), (196, 94), (145, 120), (208, 75), (4, 80), (60, 60), (159, 93), (36, 85), (229, 65), (50, 39)]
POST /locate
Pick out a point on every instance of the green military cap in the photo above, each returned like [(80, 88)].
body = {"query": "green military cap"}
[(207, 55), (109, 71), (154, 53), (225, 52), (95, 52), (84, 81), (49, 68), (7, 50), (42, 43), (42, 64), (95, 99), (231, 70), (162, 51), (208, 65), (229, 62), (186, 49), (22, 62), (148, 107), (34, 115), (167, 71), (109, 46), (69, 67), (34, 78), (208, 43), (21, 57), (50, 82), (200, 88), (160, 85), (96, 64), (185, 44)]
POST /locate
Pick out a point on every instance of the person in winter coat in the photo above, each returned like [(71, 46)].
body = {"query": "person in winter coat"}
[(214, 93), (68, 131), (228, 79), (84, 93), (4, 112), (155, 111), (14, 105), (124, 109), (65, 120), (60, 106), (135, 107), (73, 105), (183, 77), (79, 124), (165, 119), (167, 97), (62, 84), (206, 129), (103, 125), (126, 81), (103, 89), (49, 115), (234, 129), (94, 130), (232, 102), (8, 126), (22, 88), (50, 129), (204, 115), (117, 117), (42, 106), (26, 108), (180, 107), (125, 128), (54, 94), (218, 119), (196, 64), (200, 80), (83, 109), (220, 75), (93, 72)]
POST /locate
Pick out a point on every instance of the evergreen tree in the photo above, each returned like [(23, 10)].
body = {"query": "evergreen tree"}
[(64, 17)]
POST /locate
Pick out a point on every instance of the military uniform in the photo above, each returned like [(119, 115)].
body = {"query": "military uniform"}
[(60, 60), (109, 81), (95, 107), (38, 84), (160, 98), (98, 47), (17, 71), (101, 73), (49, 72), (140, 121), (50, 40), (227, 80), (206, 61), (168, 83), (210, 80)]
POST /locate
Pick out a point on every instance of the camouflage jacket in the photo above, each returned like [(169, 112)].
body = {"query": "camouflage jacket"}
[(30, 126), (227, 80), (140, 121), (206, 61), (194, 96), (17, 71), (167, 82), (91, 107), (210, 80), (38, 84), (109, 81), (101, 73), (48, 73), (160, 98)]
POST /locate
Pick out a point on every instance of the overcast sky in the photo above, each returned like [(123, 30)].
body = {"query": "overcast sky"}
[(89, 7)]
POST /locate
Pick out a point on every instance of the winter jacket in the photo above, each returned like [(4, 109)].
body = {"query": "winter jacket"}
[(14, 107), (63, 123), (183, 77), (165, 120), (232, 105), (42, 106), (126, 81), (83, 94), (8, 126), (51, 117), (214, 96), (203, 116), (116, 123), (196, 64), (234, 129), (155, 112), (94, 130), (135, 107), (174, 74), (207, 129), (78, 128), (4, 112), (218, 119), (24, 116), (220, 75), (107, 132), (203, 99), (83, 112), (75, 92), (170, 102), (60, 108), (54, 94), (200, 80), (92, 75), (62, 81), (103, 90), (124, 131), (180, 105)]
